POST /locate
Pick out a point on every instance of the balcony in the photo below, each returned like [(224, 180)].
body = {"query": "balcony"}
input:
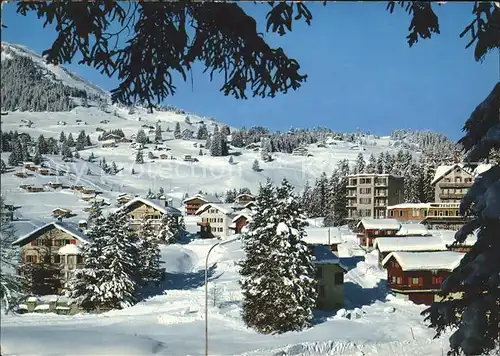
[(380, 183), (381, 193), (452, 196), (455, 184)]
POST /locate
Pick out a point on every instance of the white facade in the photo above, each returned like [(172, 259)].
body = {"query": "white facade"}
[(219, 219)]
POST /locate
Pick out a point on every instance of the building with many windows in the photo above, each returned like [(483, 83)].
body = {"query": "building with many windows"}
[(368, 195)]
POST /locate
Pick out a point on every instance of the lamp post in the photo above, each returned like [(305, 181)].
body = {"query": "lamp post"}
[(206, 288)]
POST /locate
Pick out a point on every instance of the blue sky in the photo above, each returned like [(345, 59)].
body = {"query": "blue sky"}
[(361, 72)]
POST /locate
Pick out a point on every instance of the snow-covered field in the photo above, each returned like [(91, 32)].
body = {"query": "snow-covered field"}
[(172, 323)]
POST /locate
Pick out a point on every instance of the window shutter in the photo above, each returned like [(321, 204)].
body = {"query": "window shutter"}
[(73, 242), (420, 281)]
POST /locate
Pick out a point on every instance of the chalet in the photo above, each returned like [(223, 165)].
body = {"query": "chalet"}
[(215, 219), (30, 166), (82, 224), (25, 186), (192, 204), (87, 197), (445, 216), (253, 146), (33, 189), (448, 238), (244, 198), (417, 276), (21, 174), (300, 151), (88, 191), (408, 211), (108, 143), (44, 171), (47, 244), (239, 222), (187, 158), (141, 209), (325, 236), (53, 185), (77, 187), (7, 213), (124, 198), (329, 277), (163, 156), (368, 229), (61, 212)]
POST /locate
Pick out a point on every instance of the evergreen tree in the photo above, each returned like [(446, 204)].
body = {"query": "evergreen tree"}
[(3, 167), (24, 152), (66, 151), (411, 183), (225, 130), (255, 166), (177, 131), (88, 142), (389, 163), (141, 137), (80, 141), (218, 145), (230, 196), (62, 137), (202, 133), (158, 135), (381, 163), (37, 159), (237, 139), (149, 255), (114, 168), (265, 150), (340, 194), (231, 160), (208, 143), (89, 172), (359, 165), (371, 167), (306, 199), (200, 153), (111, 274), (216, 129), (150, 194), (70, 141), (139, 157), (9, 280), (171, 229), (42, 145), (277, 272)]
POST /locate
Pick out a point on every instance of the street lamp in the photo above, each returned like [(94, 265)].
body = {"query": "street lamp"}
[(206, 288)]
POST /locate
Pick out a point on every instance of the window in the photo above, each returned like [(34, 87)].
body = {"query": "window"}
[(319, 272), (415, 212), (393, 279), (365, 190), (415, 281), (458, 179), (57, 258), (365, 200), (79, 259), (321, 291), (400, 213), (46, 259), (353, 182), (30, 258), (437, 280), (339, 278), (398, 280), (391, 212)]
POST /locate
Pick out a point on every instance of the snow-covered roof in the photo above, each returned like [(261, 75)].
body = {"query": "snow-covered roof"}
[(154, 203), (63, 226), (223, 208), (322, 255), (108, 142), (205, 197), (448, 237), (410, 206), (82, 221), (419, 243), (413, 230), (445, 169), (380, 224), (240, 214), (69, 249), (244, 195), (56, 209), (423, 261), (319, 235)]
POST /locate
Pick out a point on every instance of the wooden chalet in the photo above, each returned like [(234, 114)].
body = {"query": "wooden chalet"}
[(244, 198), (408, 211), (124, 199), (141, 209), (44, 171), (240, 221), (88, 191), (192, 204), (33, 189), (30, 166), (417, 276), (368, 229), (21, 174), (77, 187), (325, 236), (163, 156), (87, 197), (53, 185), (61, 213)]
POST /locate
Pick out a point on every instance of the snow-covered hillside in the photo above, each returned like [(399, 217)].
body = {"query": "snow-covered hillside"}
[(173, 323)]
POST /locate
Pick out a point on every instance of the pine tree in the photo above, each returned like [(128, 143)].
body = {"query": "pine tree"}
[(231, 160), (139, 157), (150, 194), (371, 167), (475, 316), (37, 159), (225, 130), (110, 277), (208, 143), (62, 137), (340, 194), (9, 280), (265, 150), (255, 166), (70, 141), (15, 156), (89, 172), (200, 153), (381, 163), (88, 142), (42, 145), (171, 229), (114, 168), (141, 137), (80, 141), (277, 272), (3, 167), (149, 255), (411, 183), (202, 133), (389, 163), (177, 131), (359, 165), (66, 151), (158, 135)]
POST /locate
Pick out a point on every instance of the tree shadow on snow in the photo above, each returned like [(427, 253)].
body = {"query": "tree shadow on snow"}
[(187, 238), (191, 280), (351, 262), (356, 296), (320, 316)]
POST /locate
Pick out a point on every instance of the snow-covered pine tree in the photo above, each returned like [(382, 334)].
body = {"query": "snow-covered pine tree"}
[(371, 167), (42, 145), (70, 141), (412, 179), (139, 157), (340, 194), (306, 199), (276, 274), (476, 315), (389, 163), (62, 137), (265, 150), (231, 160), (171, 229), (359, 165), (202, 133), (141, 137), (111, 274), (9, 255), (208, 143), (88, 142), (177, 131), (381, 163), (158, 135), (66, 151), (149, 255), (230, 196), (255, 166), (225, 130), (330, 198), (319, 196)]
